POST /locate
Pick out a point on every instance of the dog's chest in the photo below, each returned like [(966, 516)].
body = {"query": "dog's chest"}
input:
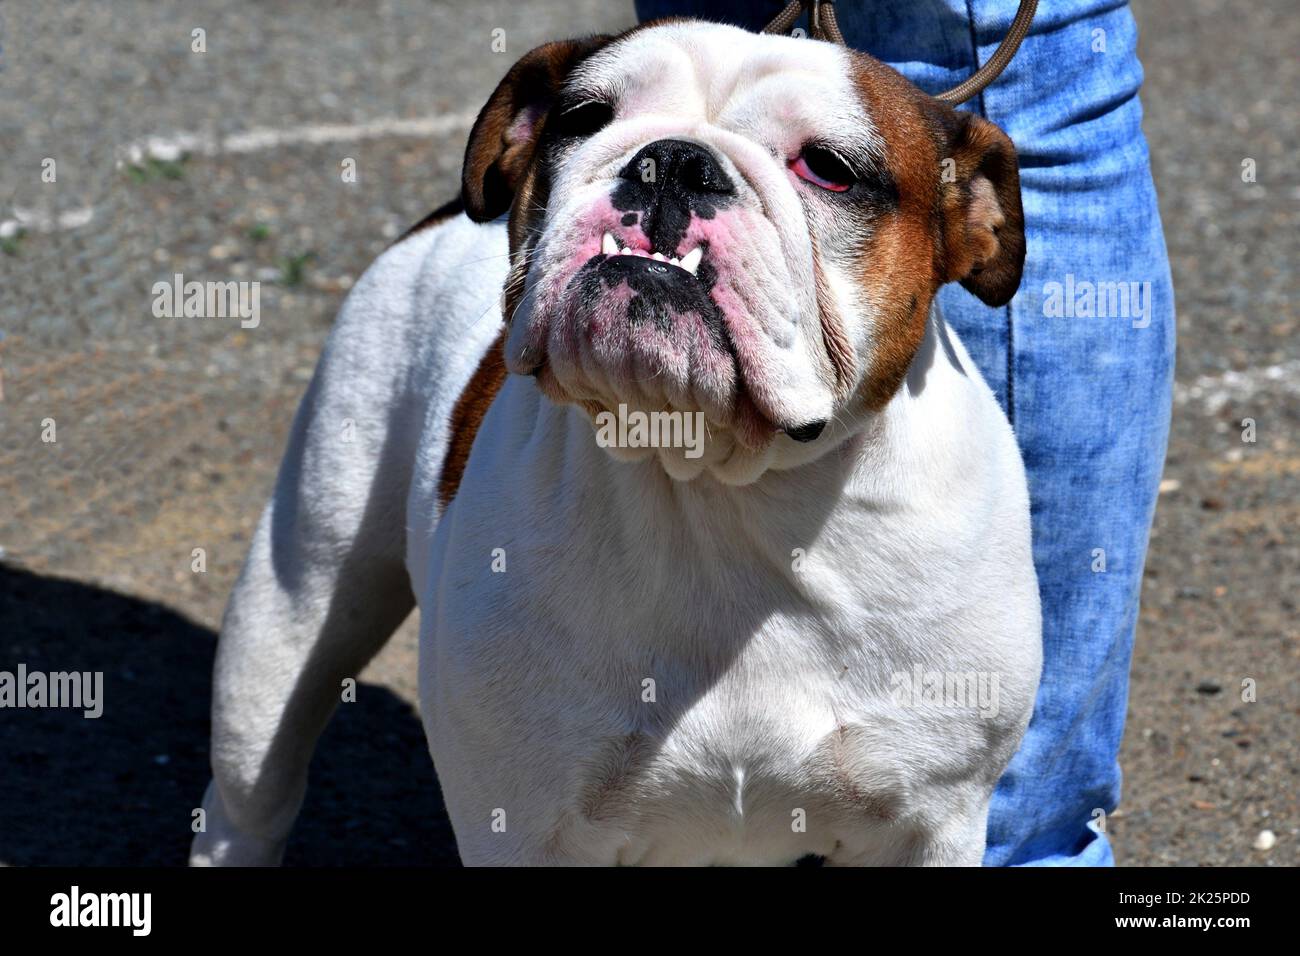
[(778, 742), (759, 775)]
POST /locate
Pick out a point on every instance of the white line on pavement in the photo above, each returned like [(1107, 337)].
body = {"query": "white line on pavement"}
[(171, 147)]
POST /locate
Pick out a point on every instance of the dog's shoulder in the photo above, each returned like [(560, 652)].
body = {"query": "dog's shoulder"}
[(446, 262), (428, 305)]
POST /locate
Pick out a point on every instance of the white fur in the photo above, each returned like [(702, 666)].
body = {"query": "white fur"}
[(771, 616)]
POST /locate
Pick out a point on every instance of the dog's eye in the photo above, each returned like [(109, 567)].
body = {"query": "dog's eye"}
[(821, 167), (584, 120)]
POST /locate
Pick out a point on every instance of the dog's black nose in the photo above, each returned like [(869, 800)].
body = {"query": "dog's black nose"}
[(666, 183), (678, 164)]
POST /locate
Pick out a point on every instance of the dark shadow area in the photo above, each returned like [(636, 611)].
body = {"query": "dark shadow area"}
[(936, 334), (120, 789)]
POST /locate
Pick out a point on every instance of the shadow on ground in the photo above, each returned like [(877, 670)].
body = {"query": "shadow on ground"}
[(120, 789)]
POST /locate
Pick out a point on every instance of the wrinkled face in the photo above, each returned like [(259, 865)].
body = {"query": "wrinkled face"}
[(746, 226)]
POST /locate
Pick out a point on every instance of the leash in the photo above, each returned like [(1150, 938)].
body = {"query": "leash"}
[(821, 18)]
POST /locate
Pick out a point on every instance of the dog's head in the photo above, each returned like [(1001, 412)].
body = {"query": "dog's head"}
[(750, 226)]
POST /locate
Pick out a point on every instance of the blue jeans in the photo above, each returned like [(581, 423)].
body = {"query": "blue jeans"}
[(1086, 380)]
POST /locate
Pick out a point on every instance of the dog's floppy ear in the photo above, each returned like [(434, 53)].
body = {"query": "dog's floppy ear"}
[(983, 225), (501, 143)]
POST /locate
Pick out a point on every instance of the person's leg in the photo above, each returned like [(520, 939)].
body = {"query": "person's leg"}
[(1088, 391), (1086, 385)]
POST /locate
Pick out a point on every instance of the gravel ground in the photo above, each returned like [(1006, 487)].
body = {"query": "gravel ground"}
[(169, 431)]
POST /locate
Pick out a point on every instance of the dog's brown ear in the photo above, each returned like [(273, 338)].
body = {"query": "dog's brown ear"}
[(501, 143), (984, 227)]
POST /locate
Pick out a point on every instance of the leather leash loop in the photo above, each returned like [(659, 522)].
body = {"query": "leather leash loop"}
[(821, 17)]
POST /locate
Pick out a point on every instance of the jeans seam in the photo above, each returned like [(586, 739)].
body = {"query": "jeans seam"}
[(975, 51)]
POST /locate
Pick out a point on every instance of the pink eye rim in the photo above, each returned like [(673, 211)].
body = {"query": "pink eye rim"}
[(830, 165)]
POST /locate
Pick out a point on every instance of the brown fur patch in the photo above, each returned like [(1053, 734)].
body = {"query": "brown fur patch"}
[(467, 416), (526, 212), (836, 342), (970, 230), (896, 269)]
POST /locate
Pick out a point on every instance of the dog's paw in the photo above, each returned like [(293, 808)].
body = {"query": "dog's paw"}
[(222, 843)]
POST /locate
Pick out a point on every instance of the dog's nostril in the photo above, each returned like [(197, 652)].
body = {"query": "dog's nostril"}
[(690, 166), (807, 433), (701, 174)]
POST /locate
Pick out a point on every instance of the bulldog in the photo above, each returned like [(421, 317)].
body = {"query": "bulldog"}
[(815, 634)]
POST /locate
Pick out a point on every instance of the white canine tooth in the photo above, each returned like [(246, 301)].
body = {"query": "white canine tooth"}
[(691, 261), (609, 245)]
